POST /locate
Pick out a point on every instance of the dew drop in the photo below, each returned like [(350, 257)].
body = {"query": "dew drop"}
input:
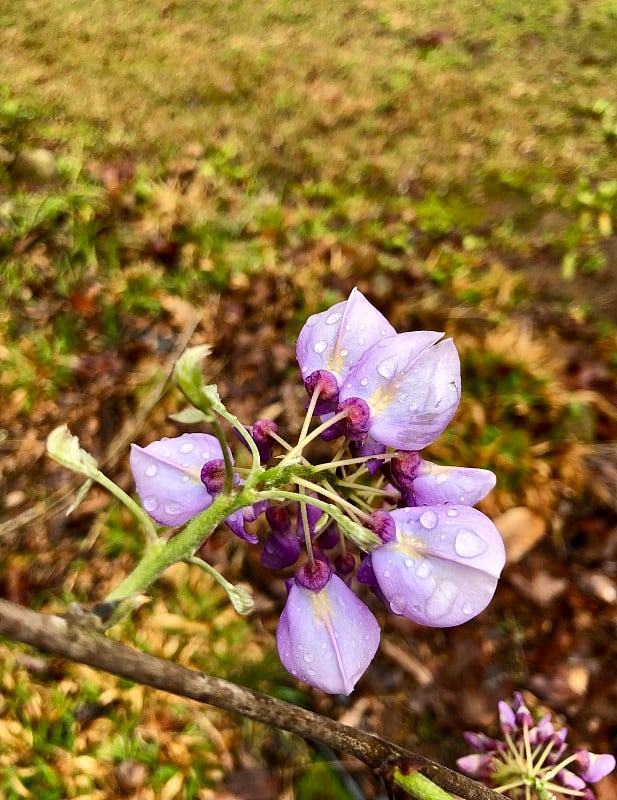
[(361, 326), (166, 453), (386, 573), (451, 512), (424, 570), (187, 447), (441, 478), (442, 600), (332, 319), (309, 656), (320, 346), (172, 508), (383, 332), (348, 327), (205, 454), (185, 479), (467, 484), (348, 385), (397, 604), (342, 353), (408, 562), (387, 368), (443, 537), (428, 520), (311, 321), (364, 382), (310, 672), (468, 544), (467, 608), (151, 470), (151, 504)]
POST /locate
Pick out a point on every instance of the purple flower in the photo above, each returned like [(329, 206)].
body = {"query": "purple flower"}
[(411, 384), (335, 340), (442, 567), (423, 483), (167, 476), (532, 758), (326, 636), (176, 479)]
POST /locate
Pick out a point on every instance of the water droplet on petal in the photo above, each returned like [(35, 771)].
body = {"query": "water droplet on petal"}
[(172, 508), (428, 520), (166, 453), (187, 447), (151, 504), (310, 672), (364, 382), (311, 321), (151, 470), (348, 327), (397, 604), (205, 454), (333, 318), (467, 608), (185, 479), (408, 562), (342, 353), (468, 544), (309, 656), (441, 478), (386, 573), (424, 570), (442, 600), (451, 512), (387, 368), (320, 346)]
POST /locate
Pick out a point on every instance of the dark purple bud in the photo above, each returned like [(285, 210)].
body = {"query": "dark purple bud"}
[(278, 519), (323, 381), (366, 575), (356, 424), (345, 564), (382, 525), (213, 476), (313, 576), (280, 550), (330, 537), (404, 469), (260, 432)]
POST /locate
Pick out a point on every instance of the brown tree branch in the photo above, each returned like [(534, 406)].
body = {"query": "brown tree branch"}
[(75, 637)]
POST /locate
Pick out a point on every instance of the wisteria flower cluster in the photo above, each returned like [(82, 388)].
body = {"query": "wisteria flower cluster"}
[(376, 514), (433, 557), (532, 761)]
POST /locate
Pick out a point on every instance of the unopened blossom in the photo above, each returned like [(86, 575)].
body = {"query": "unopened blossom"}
[(326, 636), (423, 483), (411, 385), (332, 342), (177, 478), (442, 566), (532, 759), (167, 476)]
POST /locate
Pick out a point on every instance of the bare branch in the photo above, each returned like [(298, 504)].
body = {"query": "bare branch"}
[(78, 640)]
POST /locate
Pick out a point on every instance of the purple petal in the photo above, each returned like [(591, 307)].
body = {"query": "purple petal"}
[(443, 566), (476, 765), (336, 339), (507, 718), (167, 476), (595, 766), (327, 638), (280, 549), (569, 780), (412, 386), (436, 485), (235, 523)]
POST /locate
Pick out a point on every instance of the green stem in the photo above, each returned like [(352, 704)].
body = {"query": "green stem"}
[(420, 787), (133, 507), (161, 555)]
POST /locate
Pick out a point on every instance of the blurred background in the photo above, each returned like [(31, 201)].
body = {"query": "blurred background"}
[(198, 171)]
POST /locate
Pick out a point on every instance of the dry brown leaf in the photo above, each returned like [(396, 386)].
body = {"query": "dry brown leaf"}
[(521, 529)]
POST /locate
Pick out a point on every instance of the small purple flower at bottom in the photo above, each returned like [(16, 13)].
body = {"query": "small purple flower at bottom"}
[(532, 760), (442, 567), (326, 636)]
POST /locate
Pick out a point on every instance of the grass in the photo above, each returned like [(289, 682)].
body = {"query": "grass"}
[(449, 151)]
